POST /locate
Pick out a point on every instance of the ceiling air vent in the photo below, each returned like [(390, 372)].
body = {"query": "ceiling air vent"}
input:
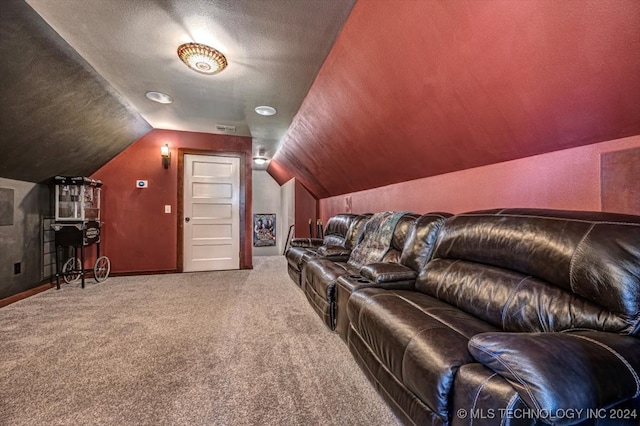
[(225, 128)]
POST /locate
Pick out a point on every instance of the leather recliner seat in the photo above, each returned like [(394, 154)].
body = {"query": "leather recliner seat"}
[(336, 236), (319, 277), (518, 309), (400, 275)]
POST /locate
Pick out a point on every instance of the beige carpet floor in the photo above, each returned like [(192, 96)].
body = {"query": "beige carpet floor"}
[(214, 348)]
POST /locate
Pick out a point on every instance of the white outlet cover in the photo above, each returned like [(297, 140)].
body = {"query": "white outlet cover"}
[(142, 184)]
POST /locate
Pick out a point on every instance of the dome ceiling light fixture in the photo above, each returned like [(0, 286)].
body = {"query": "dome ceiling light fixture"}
[(159, 97), (260, 159), (265, 110), (202, 58)]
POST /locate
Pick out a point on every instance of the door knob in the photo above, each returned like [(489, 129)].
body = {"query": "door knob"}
[(187, 219)]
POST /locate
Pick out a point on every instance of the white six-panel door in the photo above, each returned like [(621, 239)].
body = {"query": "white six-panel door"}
[(211, 213)]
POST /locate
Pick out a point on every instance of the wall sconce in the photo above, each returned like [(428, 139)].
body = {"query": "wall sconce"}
[(166, 156)]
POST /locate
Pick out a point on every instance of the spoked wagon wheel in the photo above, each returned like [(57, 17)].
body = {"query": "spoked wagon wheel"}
[(71, 270), (102, 268)]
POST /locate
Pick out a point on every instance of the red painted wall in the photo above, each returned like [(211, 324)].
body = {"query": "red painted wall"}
[(568, 179), (306, 207), (138, 236), (420, 88)]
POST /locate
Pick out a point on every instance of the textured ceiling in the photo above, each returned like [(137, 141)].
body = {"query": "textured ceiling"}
[(57, 115), (274, 49), (409, 89), (419, 88)]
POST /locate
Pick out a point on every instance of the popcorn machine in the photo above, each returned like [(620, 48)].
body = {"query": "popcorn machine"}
[(77, 225)]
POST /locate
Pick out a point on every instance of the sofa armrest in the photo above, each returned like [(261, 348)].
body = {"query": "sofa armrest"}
[(331, 251), (387, 272), (559, 372), (306, 242)]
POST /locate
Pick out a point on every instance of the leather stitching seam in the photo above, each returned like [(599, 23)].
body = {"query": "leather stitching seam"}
[(620, 357), (448, 327), (515, 375), (477, 395), (314, 304), (595, 222), (404, 353), (446, 272), (573, 256), (509, 407), (509, 300)]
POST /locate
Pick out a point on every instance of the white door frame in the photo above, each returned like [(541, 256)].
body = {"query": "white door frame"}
[(244, 208)]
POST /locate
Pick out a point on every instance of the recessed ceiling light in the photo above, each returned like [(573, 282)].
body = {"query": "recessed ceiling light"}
[(202, 58), (161, 98), (265, 110)]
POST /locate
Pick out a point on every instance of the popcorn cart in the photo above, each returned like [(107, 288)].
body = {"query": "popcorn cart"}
[(77, 225)]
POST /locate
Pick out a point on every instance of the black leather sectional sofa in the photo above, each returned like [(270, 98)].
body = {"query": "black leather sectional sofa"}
[(340, 236), (319, 279), (513, 316)]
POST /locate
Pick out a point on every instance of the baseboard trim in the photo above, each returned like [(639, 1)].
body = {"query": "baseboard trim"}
[(134, 273), (166, 271), (27, 293)]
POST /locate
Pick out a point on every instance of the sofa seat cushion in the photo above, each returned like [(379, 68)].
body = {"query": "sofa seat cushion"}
[(329, 251), (306, 257), (384, 272), (420, 340), (347, 284), (297, 257)]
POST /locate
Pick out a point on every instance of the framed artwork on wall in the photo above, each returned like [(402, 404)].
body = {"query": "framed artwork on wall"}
[(264, 229)]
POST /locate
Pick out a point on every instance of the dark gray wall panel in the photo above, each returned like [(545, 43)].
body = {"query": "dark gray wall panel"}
[(57, 115), (22, 241), (6, 206)]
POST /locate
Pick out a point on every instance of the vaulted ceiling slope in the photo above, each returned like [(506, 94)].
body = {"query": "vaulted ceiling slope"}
[(274, 50), (57, 115), (419, 88)]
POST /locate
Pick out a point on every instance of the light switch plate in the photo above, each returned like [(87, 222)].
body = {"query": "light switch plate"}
[(167, 208)]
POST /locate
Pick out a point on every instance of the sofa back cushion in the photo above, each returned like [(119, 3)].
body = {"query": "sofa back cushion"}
[(377, 238), (400, 234), (540, 270), (336, 229), (421, 241), (355, 232)]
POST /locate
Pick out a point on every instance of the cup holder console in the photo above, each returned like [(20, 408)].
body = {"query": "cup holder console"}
[(359, 278)]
